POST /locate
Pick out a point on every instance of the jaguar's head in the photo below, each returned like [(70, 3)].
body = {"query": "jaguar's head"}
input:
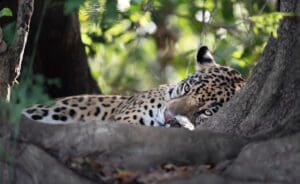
[(204, 61), (210, 84)]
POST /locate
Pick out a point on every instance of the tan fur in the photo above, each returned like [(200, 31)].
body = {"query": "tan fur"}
[(202, 93)]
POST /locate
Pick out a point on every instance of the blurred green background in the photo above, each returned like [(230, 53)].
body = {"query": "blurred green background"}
[(135, 45)]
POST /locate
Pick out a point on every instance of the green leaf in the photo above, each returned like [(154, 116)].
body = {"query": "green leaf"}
[(227, 10), (9, 32), (6, 12), (71, 6), (110, 15)]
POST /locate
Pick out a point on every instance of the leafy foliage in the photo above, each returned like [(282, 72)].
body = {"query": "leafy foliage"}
[(129, 42), (9, 32), (5, 12), (9, 29), (72, 5)]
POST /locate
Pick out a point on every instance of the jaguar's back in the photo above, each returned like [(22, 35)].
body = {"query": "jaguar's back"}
[(202, 93)]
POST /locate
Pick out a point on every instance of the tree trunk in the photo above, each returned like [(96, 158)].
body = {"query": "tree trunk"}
[(12, 57), (60, 52), (269, 104), (54, 44)]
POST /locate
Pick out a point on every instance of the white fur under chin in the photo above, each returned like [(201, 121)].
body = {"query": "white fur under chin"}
[(185, 122)]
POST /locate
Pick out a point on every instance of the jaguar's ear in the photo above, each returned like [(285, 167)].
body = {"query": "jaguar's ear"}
[(204, 56)]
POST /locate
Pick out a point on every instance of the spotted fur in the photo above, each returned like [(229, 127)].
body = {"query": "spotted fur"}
[(201, 93)]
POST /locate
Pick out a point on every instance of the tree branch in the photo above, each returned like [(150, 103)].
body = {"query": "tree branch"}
[(131, 147), (25, 10), (11, 59)]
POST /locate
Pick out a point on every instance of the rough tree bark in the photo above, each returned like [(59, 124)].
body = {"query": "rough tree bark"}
[(269, 105), (11, 57)]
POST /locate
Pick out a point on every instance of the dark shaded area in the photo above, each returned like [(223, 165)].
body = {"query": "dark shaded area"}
[(32, 165), (60, 52), (57, 49), (12, 54)]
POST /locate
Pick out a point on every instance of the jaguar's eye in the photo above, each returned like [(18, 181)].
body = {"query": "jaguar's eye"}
[(208, 112)]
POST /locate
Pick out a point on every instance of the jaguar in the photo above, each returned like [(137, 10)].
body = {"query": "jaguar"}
[(170, 105)]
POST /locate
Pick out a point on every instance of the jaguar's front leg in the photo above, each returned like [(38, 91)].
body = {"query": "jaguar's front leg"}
[(177, 121)]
